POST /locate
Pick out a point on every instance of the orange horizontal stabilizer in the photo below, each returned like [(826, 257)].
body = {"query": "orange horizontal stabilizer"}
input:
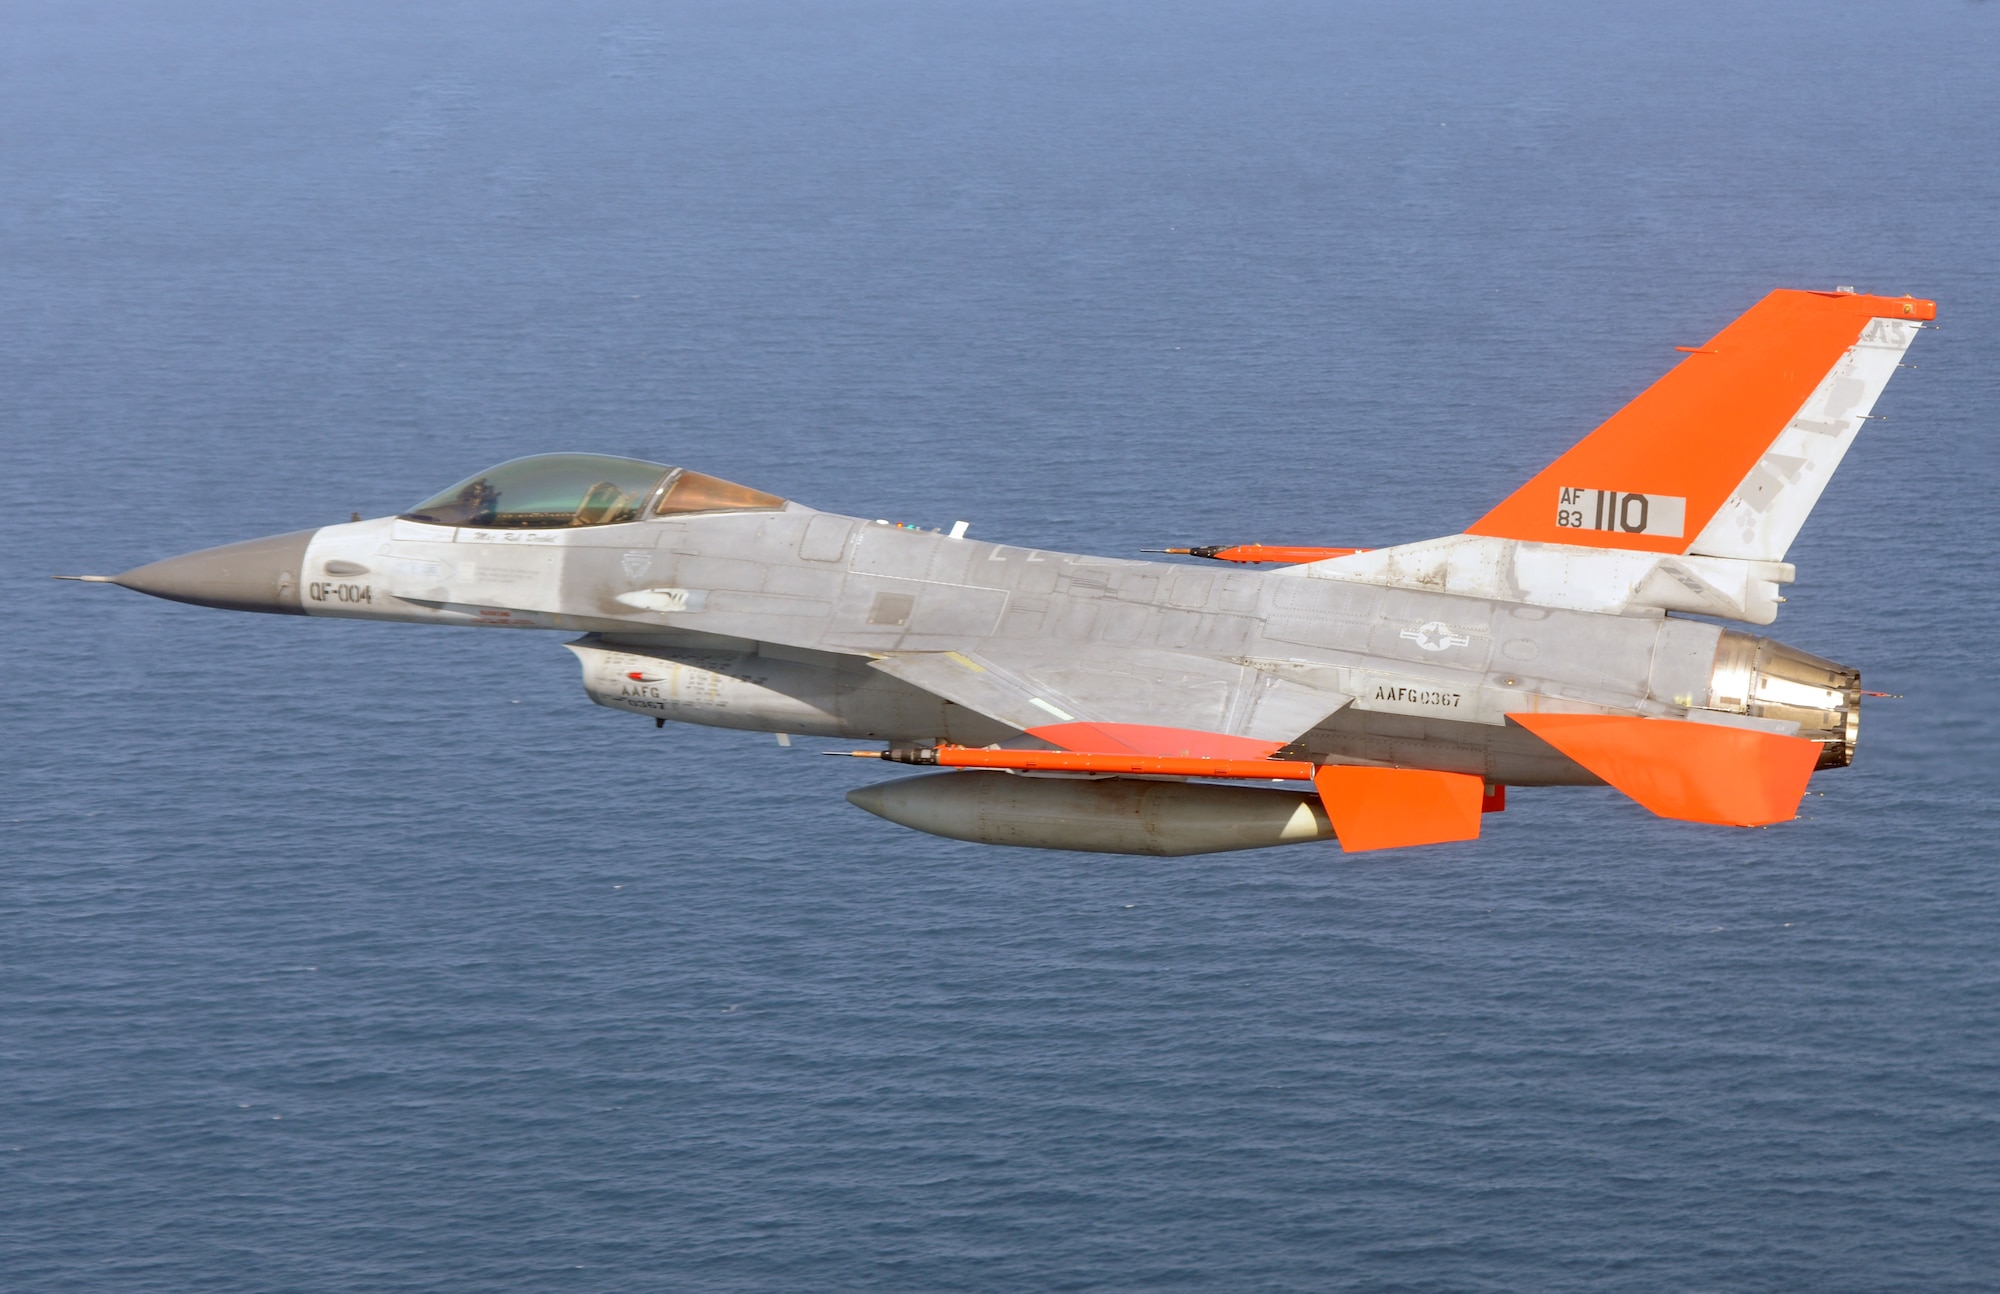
[(1698, 772), (1147, 739), (1383, 808), (1654, 474)]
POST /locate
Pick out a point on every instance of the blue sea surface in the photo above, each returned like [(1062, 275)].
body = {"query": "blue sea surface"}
[(368, 957)]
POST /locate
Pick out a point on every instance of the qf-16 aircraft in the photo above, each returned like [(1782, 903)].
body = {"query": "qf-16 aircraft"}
[(1124, 706)]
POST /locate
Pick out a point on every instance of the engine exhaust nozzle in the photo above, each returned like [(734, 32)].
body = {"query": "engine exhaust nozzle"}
[(1765, 679)]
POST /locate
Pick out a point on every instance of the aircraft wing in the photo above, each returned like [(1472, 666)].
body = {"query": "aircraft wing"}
[(1122, 700)]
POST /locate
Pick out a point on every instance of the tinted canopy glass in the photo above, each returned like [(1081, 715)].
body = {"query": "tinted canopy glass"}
[(687, 491), (552, 491), (546, 492)]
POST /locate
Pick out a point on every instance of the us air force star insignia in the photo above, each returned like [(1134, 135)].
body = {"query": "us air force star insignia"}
[(1435, 636)]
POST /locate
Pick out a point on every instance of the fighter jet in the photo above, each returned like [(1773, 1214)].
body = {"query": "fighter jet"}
[(1380, 698)]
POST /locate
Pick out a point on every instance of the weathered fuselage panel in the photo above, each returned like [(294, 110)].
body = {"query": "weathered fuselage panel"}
[(769, 621)]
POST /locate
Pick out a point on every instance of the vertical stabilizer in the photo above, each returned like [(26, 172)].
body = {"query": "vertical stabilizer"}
[(1727, 454)]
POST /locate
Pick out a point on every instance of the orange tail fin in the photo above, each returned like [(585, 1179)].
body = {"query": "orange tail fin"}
[(1749, 425)]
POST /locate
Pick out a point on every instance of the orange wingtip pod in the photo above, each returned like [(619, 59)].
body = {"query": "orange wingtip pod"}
[(1654, 474), (1386, 808), (1697, 772)]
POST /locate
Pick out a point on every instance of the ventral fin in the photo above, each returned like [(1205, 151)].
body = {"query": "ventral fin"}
[(1388, 808)]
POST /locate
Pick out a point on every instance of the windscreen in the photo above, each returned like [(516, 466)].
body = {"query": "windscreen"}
[(547, 492), (695, 492)]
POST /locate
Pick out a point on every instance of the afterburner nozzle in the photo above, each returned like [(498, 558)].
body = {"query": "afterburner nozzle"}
[(256, 575), (1766, 679)]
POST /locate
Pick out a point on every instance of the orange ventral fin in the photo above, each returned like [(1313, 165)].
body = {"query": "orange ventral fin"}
[(1145, 739), (1697, 772), (1656, 472), (1386, 808)]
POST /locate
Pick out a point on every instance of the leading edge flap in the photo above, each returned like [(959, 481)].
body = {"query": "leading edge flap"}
[(1696, 772), (1654, 475)]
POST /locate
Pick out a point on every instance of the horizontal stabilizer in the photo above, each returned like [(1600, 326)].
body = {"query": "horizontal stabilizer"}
[(1696, 772), (1385, 808)]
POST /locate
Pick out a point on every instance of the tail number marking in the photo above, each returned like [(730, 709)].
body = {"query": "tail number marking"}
[(1417, 696), (1632, 514)]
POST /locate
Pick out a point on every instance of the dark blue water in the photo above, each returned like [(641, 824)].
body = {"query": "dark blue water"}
[(369, 957)]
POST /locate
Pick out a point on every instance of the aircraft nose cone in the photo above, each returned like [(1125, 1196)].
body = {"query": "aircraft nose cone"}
[(256, 575)]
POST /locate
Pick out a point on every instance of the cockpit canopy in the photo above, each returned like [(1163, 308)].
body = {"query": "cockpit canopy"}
[(559, 491)]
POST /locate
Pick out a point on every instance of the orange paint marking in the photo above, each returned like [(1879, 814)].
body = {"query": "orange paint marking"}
[(1065, 761), (1696, 772), (1387, 808), (1697, 432), (1145, 739), (1288, 554)]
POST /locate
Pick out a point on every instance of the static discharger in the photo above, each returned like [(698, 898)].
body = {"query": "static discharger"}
[(1258, 554)]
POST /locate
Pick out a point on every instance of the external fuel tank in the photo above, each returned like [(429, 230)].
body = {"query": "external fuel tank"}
[(1107, 815)]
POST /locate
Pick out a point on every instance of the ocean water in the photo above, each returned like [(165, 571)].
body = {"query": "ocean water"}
[(373, 957)]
